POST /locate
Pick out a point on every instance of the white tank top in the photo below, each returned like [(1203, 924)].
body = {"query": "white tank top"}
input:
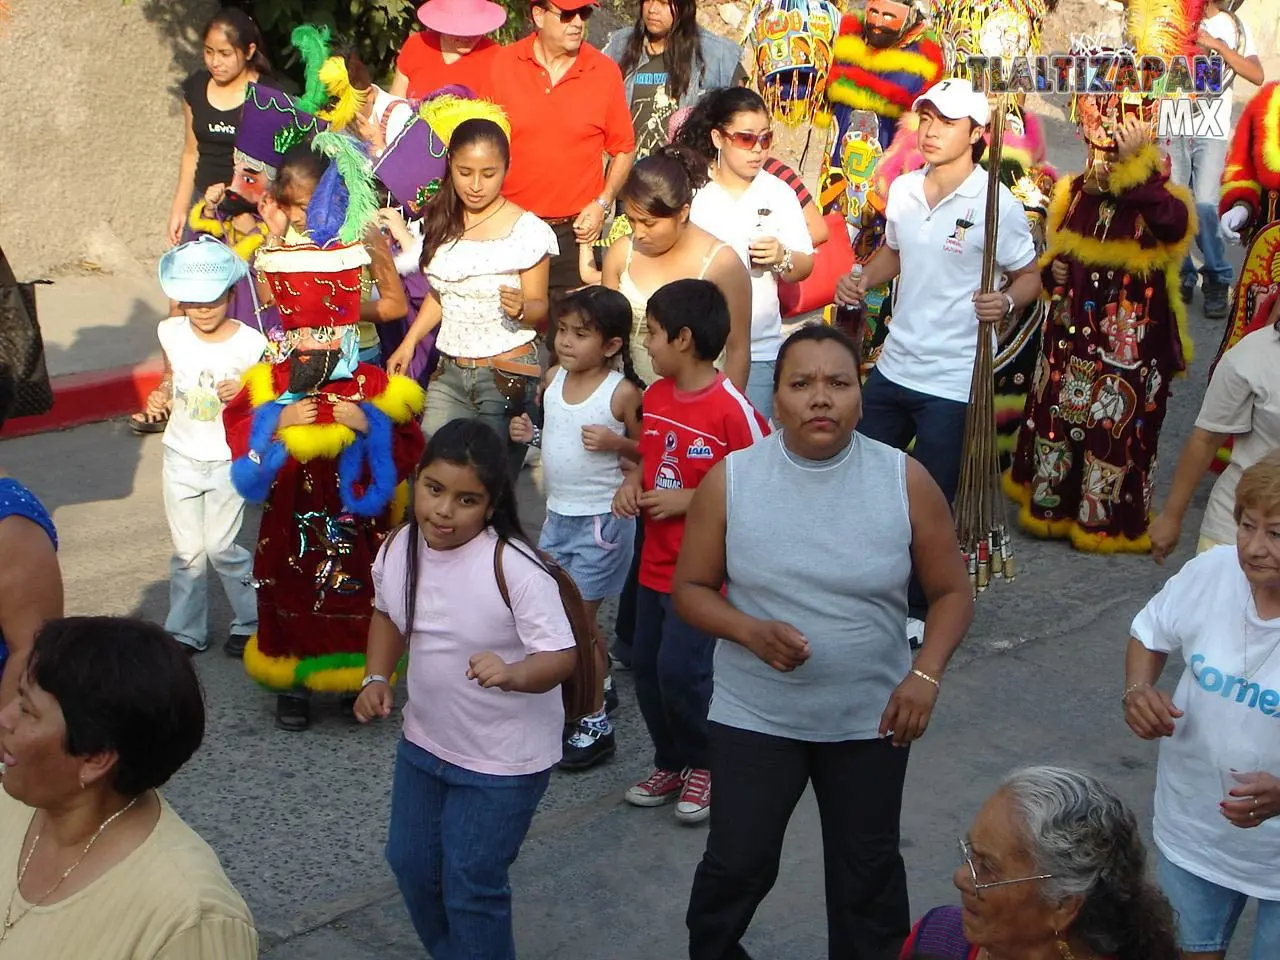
[(579, 482)]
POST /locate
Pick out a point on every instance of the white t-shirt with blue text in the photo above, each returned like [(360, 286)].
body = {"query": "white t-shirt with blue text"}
[(1230, 698)]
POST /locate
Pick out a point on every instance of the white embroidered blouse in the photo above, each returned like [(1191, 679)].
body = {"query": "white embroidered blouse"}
[(466, 274)]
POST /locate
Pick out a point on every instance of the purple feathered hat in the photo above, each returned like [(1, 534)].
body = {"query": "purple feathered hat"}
[(269, 125)]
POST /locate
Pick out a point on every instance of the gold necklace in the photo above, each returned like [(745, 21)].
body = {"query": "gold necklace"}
[(9, 919)]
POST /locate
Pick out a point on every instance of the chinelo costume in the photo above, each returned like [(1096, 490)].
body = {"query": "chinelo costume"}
[(987, 28), (1114, 337), (330, 494)]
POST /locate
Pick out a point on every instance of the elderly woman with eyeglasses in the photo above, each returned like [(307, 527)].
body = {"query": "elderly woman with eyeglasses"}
[(1052, 869)]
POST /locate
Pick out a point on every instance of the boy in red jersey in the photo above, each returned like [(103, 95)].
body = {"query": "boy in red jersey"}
[(693, 418)]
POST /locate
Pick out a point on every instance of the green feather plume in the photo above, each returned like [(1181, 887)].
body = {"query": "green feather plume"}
[(356, 171), (312, 44)]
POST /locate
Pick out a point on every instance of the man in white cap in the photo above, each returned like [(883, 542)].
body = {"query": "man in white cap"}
[(935, 221)]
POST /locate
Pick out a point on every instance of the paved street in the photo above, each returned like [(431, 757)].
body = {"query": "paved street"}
[(299, 819)]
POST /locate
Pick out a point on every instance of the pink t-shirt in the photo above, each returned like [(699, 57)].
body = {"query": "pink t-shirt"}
[(460, 613)]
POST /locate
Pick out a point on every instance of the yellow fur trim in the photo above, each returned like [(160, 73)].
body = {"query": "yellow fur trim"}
[(1127, 254), (1271, 130), (854, 50), (248, 245), (399, 504), (316, 441), (443, 114), (1041, 528), (1090, 542), (403, 399), (1138, 169), (347, 99), (198, 222), (1016, 492), (262, 388), (1229, 185), (1081, 538), (278, 673)]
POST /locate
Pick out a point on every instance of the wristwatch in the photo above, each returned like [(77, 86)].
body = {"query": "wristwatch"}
[(783, 267), (374, 678), (604, 204)]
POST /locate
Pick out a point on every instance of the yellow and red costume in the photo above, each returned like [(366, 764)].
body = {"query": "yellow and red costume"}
[(330, 493)]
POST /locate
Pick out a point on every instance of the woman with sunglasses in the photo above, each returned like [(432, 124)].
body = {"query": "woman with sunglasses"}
[(751, 210), (1053, 868)]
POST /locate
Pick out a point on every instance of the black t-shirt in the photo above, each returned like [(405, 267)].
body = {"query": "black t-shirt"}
[(652, 106), (215, 132)]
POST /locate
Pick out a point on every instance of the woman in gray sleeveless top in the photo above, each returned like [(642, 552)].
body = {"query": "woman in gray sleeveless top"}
[(814, 681)]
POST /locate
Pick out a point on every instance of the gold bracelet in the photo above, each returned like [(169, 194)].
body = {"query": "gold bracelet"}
[(924, 676), (1124, 697)]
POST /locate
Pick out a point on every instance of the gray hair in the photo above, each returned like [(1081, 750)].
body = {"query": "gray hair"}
[(1078, 831)]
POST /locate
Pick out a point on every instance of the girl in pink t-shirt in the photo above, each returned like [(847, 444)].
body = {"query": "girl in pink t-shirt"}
[(484, 715)]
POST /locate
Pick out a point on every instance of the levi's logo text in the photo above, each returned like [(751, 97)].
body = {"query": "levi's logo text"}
[(1231, 687), (698, 450)]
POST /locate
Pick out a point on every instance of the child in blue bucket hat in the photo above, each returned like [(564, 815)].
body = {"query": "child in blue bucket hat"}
[(207, 353)]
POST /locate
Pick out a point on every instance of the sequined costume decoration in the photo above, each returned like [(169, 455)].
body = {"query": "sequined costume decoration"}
[(791, 47), (1113, 341), (330, 493)]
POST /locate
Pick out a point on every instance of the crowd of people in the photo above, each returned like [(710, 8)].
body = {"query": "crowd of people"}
[(384, 299)]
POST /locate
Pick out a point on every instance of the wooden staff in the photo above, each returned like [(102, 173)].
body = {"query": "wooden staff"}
[(980, 515)]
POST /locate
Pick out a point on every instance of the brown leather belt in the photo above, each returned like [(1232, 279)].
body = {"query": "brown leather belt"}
[(510, 362), (557, 221)]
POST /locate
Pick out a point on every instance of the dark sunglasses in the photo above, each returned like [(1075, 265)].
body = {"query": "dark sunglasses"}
[(566, 16), (748, 141)]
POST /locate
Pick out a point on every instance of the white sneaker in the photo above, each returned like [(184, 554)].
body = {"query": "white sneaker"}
[(915, 633)]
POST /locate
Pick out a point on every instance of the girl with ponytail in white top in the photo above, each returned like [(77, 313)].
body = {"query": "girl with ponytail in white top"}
[(591, 413)]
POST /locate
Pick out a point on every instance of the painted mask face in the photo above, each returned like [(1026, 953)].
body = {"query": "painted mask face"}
[(250, 179), (884, 22)]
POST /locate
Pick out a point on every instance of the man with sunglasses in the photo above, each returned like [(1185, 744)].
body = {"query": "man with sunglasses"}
[(568, 111)]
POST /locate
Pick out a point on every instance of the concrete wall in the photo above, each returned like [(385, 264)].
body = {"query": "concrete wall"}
[(91, 128)]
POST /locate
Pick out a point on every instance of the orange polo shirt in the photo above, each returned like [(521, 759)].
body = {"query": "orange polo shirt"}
[(560, 133)]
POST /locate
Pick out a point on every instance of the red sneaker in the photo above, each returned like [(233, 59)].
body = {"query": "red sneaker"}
[(694, 805), (661, 787)]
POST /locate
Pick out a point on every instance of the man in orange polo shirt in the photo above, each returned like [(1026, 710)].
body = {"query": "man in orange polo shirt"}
[(568, 111)]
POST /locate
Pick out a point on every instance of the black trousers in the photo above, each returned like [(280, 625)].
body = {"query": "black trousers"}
[(758, 781)]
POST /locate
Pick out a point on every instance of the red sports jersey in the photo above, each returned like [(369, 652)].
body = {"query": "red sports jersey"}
[(682, 437)]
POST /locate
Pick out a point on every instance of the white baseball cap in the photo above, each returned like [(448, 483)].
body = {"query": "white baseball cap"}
[(955, 98)]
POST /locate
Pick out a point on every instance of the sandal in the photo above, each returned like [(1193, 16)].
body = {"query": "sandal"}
[(143, 423), (293, 712)]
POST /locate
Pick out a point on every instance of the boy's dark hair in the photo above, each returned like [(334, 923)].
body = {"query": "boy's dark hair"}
[(696, 305), (123, 685), (300, 168)]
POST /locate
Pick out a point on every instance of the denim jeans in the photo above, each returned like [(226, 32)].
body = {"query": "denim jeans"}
[(459, 391), (452, 839), (1207, 913), (205, 513), (1198, 162), (760, 387), (671, 663), (895, 415)]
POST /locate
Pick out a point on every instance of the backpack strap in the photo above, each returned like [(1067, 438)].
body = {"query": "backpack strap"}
[(940, 936), (498, 574)]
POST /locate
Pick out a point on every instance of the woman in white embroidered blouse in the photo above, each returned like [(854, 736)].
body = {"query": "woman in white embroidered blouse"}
[(488, 263)]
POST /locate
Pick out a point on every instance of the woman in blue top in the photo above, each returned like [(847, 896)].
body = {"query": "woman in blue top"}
[(30, 591)]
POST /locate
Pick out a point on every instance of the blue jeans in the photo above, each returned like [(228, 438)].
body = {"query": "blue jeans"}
[(205, 513), (453, 837), (760, 387), (896, 415), (1198, 162), (671, 662), (1207, 913)]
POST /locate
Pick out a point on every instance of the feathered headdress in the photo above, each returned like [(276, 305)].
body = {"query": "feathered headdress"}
[(347, 100), (444, 113), (344, 201), (1164, 28), (312, 44)]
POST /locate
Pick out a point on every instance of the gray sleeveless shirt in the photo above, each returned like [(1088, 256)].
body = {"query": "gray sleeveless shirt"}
[(834, 563)]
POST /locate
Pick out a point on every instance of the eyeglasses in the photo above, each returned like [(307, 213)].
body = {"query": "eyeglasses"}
[(748, 141), (966, 853), (566, 16)]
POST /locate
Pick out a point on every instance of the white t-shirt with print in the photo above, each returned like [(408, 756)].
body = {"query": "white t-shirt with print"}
[(1223, 26), (467, 276), (1243, 400), (195, 424), (1206, 613), (933, 336), (767, 208)]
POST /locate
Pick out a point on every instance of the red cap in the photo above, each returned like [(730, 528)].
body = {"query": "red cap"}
[(315, 286)]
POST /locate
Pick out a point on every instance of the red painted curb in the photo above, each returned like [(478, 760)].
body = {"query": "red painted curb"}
[(80, 398)]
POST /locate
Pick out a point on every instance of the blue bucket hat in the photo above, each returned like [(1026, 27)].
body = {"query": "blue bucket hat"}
[(200, 271)]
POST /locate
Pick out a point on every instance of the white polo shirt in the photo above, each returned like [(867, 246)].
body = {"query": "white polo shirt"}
[(767, 208), (933, 336)]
